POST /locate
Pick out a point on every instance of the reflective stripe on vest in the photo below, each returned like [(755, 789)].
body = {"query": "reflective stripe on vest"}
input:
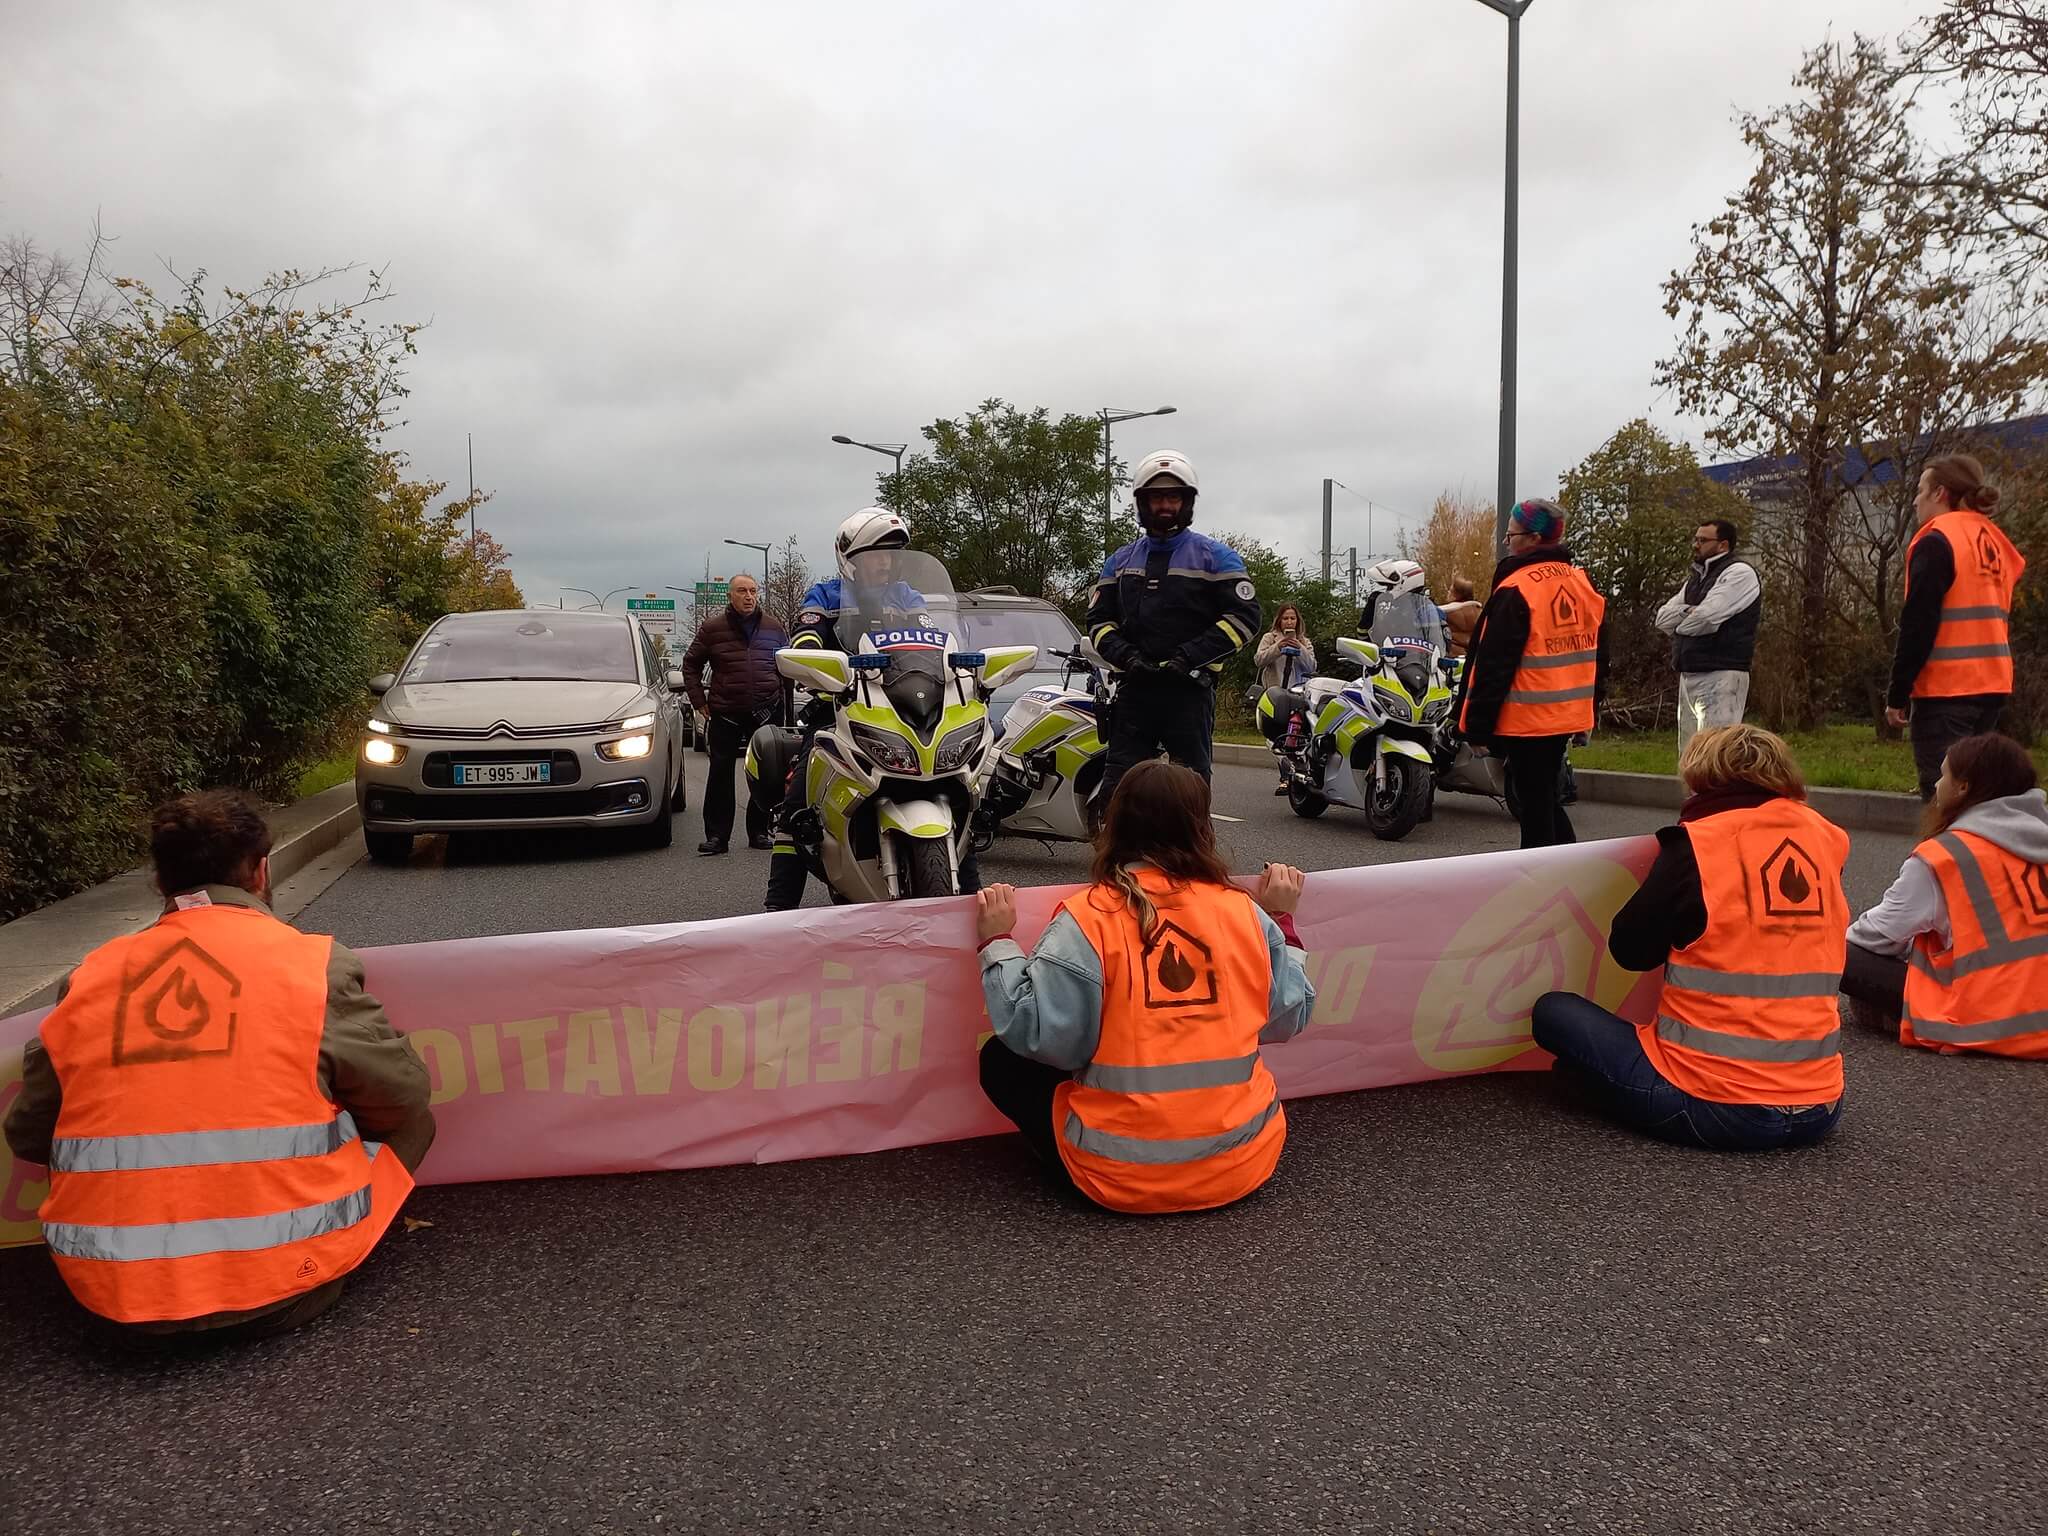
[(1990, 977), (1713, 1042), (1140, 1149), (1972, 650), (194, 1149), (1753, 983), (1172, 1078), (189, 1239)]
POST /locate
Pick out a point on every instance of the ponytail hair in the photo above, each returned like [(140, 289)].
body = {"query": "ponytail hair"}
[(1989, 767), (1962, 478), (1159, 815)]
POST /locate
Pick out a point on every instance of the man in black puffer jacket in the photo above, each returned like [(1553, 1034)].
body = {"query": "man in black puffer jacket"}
[(746, 693)]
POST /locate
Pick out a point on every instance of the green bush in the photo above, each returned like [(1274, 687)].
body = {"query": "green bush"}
[(201, 548)]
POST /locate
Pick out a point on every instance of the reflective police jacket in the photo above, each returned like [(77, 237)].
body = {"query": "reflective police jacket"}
[(817, 616), (1186, 600)]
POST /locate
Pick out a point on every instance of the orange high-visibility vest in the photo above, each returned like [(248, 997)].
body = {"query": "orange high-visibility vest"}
[(1551, 693), (1972, 649), (1988, 991), (1175, 1112), (1748, 1013), (197, 1167)]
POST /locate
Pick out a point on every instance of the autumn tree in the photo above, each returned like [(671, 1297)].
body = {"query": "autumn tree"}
[(1823, 308), (789, 578), (1457, 539), (1993, 57)]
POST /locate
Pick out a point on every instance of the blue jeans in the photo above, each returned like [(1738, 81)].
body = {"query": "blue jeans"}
[(1605, 1051)]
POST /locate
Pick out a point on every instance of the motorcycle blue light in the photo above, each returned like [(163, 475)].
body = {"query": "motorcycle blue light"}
[(868, 662), (968, 659)]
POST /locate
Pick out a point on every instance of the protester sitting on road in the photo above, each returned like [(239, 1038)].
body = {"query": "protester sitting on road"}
[(1126, 1045), (229, 1120), (1955, 957), (1276, 670), (1744, 911)]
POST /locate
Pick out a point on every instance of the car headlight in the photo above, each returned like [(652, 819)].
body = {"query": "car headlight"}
[(626, 747), (957, 747), (381, 727), (889, 750), (383, 753), (638, 723)]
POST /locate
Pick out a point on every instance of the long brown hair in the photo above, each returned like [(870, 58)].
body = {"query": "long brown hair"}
[(1989, 767), (1159, 815), (1300, 627), (1962, 477)]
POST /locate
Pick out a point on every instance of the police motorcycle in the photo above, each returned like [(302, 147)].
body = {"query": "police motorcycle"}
[(1369, 744), (894, 775), (1365, 744), (1043, 780)]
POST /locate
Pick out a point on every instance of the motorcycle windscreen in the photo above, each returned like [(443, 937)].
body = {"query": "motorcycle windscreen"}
[(1409, 621)]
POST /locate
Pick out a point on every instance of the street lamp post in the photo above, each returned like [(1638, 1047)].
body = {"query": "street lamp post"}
[(1109, 418), (586, 592), (1504, 498), (764, 548), (893, 450)]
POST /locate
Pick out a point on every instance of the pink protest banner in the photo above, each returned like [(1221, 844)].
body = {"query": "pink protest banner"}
[(854, 1029)]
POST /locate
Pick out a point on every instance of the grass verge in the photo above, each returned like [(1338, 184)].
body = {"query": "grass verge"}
[(327, 774)]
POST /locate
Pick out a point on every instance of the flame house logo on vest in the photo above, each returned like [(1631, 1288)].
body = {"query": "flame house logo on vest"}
[(1988, 559), (1564, 609), (179, 1005), (2034, 890), (1179, 970), (1792, 883)]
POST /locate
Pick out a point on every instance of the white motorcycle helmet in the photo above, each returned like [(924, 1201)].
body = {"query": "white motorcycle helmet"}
[(869, 528), (1163, 468), (1391, 578)]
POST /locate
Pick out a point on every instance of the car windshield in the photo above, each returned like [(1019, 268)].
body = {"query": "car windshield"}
[(527, 647), (1046, 628)]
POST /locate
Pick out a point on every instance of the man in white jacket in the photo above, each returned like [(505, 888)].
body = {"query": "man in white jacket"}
[(1712, 621)]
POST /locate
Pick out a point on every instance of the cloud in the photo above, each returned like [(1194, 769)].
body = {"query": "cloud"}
[(667, 251)]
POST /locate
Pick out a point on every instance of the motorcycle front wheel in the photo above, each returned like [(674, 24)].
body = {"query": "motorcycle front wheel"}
[(927, 871), (1394, 812)]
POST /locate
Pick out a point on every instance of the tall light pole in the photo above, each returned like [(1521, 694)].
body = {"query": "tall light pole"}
[(1504, 497), (764, 548), (586, 592), (893, 450), (471, 438), (1109, 417)]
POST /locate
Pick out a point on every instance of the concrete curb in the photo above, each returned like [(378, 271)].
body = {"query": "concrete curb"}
[(1857, 810), (39, 949)]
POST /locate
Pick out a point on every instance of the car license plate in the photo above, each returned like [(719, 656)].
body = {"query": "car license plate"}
[(467, 774)]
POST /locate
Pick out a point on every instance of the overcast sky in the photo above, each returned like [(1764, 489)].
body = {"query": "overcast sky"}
[(668, 251)]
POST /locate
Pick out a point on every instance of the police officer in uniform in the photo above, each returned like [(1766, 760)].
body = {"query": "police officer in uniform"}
[(1170, 610)]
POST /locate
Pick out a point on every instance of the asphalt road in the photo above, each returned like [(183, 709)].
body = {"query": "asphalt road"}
[(1461, 1306)]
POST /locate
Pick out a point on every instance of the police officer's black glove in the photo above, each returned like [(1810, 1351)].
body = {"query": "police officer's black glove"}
[(1120, 653)]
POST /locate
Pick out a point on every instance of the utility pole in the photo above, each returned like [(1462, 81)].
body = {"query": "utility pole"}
[(1354, 575), (472, 496), (1504, 495), (1328, 485)]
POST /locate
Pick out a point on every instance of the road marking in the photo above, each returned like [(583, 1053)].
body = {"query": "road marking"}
[(1218, 816)]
